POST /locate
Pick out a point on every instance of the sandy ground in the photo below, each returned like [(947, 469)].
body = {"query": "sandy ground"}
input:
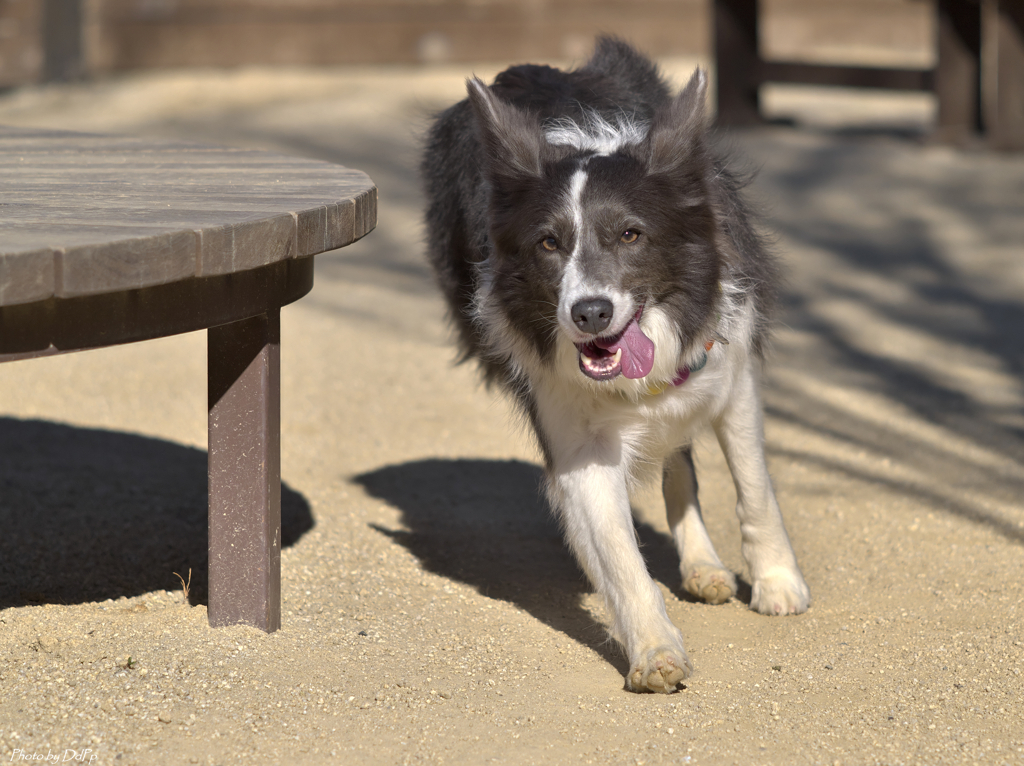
[(431, 613)]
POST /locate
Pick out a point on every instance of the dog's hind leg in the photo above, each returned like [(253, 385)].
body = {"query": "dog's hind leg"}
[(778, 586), (591, 498), (704, 575)]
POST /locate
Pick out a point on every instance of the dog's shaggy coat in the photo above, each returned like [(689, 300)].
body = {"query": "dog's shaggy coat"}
[(601, 267)]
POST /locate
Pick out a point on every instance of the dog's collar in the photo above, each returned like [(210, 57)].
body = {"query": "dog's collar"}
[(683, 373)]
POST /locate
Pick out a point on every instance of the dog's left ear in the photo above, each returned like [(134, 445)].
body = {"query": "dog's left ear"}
[(677, 133), (511, 136)]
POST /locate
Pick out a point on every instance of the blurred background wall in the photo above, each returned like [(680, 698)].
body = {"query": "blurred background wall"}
[(66, 39)]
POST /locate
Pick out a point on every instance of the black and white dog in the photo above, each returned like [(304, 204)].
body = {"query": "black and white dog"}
[(601, 267)]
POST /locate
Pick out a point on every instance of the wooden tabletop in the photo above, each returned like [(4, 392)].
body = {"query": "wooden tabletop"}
[(85, 214)]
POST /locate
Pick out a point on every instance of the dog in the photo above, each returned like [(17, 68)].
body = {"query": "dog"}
[(600, 265)]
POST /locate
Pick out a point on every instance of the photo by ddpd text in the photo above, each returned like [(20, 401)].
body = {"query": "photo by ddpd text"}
[(88, 755)]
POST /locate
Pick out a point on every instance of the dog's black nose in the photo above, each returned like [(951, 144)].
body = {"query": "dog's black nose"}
[(592, 315)]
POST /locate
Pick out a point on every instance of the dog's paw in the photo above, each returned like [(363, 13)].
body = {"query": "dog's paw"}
[(709, 583), (659, 670), (781, 593)]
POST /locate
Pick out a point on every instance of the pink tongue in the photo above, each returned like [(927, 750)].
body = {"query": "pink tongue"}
[(637, 350)]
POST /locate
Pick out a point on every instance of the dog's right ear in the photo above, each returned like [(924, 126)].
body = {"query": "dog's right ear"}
[(512, 137)]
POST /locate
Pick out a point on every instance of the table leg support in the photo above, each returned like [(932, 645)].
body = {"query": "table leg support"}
[(244, 388)]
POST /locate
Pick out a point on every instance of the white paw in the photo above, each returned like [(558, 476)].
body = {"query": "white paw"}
[(659, 670), (783, 592), (709, 582)]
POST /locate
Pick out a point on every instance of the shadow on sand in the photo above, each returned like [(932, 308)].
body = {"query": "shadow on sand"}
[(901, 311), (486, 523), (89, 515)]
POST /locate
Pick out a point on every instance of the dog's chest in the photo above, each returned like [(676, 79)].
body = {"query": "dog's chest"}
[(645, 430)]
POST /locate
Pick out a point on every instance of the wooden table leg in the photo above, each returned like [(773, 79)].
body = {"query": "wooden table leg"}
[(244, 378)]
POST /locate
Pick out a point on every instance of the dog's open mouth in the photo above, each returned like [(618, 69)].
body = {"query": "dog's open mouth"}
[(630, 353)]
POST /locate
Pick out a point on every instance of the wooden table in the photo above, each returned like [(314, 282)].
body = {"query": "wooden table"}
[(109, 240)]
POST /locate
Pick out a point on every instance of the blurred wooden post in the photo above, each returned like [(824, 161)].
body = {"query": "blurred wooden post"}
[(1003, 73), (62, 40), (978, 80), (737, 61), (958, 74)]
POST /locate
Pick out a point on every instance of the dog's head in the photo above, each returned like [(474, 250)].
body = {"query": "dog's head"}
[(602, 232)]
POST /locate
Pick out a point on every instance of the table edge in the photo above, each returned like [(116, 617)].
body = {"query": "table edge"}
[(173, 253)]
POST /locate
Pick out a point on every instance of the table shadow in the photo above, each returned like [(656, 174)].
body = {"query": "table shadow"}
[(89, 515)]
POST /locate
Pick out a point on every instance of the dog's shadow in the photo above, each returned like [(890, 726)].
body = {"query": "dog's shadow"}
[(89, 515), (485, 523)]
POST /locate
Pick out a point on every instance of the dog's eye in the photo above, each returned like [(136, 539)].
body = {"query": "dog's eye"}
[(549, 243), (629, 236)]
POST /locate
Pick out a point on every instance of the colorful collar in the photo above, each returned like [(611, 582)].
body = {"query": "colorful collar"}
[(683, 373)]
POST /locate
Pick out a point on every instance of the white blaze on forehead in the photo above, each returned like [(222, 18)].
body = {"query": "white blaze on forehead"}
[(573, 287), (576, 184), (576, 285)]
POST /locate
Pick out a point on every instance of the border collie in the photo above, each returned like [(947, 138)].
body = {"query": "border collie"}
[(599, 264)]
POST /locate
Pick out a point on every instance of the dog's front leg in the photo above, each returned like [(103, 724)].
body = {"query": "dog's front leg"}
[(778, 586), (704, 574), (589, 493)]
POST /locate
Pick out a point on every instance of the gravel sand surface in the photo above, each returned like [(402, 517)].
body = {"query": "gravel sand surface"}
[(431, 613)]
